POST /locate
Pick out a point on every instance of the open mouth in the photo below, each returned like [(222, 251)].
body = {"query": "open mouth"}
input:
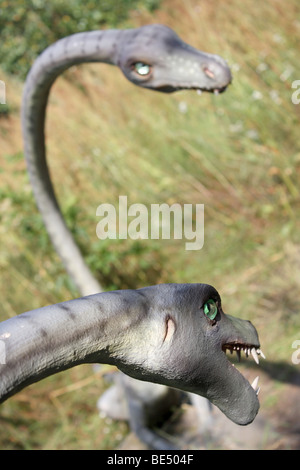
[(171, 89), (248, 350), (215, 91)]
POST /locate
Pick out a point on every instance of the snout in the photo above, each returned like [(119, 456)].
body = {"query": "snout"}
[(217, 72)]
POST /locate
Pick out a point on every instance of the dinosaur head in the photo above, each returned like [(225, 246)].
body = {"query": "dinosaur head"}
[(154, 57), (188, 343), (172, 334)]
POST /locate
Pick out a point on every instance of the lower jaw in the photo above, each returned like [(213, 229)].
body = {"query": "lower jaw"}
[(241, 411), (231, 392)]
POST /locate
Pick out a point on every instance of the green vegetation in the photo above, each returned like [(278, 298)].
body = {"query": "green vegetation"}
[(27, 28), (238, 153)]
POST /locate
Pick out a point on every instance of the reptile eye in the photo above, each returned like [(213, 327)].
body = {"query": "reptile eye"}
[(142, 69), (210, 309)]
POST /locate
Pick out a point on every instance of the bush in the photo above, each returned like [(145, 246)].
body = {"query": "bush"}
[(29, 27)]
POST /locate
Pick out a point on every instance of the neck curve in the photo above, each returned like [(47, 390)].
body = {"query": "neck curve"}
[(94, 46), (42, 342)]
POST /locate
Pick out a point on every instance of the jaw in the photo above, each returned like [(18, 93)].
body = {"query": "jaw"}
[(227, 388), (237, 400), (171, 89)]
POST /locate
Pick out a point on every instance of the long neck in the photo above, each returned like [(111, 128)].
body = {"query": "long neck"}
[(41, 342), (95, 46)]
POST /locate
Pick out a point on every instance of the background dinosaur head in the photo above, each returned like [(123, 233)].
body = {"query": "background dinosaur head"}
[(153, 56)]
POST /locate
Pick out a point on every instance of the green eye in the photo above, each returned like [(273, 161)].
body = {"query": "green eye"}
[(210, 309), (142, 69)]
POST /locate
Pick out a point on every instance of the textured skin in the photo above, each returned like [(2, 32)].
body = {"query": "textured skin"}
[(110, 328), (174, 65)]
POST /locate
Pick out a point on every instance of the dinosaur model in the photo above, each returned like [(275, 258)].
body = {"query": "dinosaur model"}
[(171, 334), (112, 327)]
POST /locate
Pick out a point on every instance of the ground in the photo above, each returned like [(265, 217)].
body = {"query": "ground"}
[(278, 429)]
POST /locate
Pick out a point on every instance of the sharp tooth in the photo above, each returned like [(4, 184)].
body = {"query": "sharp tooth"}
[(199, 91), (255, 357), (255, 383), (259, 351), (216, 91)]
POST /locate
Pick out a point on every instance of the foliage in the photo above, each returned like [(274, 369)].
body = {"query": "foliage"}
[(126, 263), (29, 27)]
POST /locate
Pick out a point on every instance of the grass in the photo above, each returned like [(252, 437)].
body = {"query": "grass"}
[(237, 153)]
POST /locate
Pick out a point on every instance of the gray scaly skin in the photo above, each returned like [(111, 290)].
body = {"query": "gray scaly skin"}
[(171, 65), (159, 334)]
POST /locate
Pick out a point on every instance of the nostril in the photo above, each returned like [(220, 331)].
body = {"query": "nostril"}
[(208, 72)]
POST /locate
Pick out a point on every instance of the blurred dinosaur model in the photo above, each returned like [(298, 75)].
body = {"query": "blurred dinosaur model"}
[(152, 57)]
